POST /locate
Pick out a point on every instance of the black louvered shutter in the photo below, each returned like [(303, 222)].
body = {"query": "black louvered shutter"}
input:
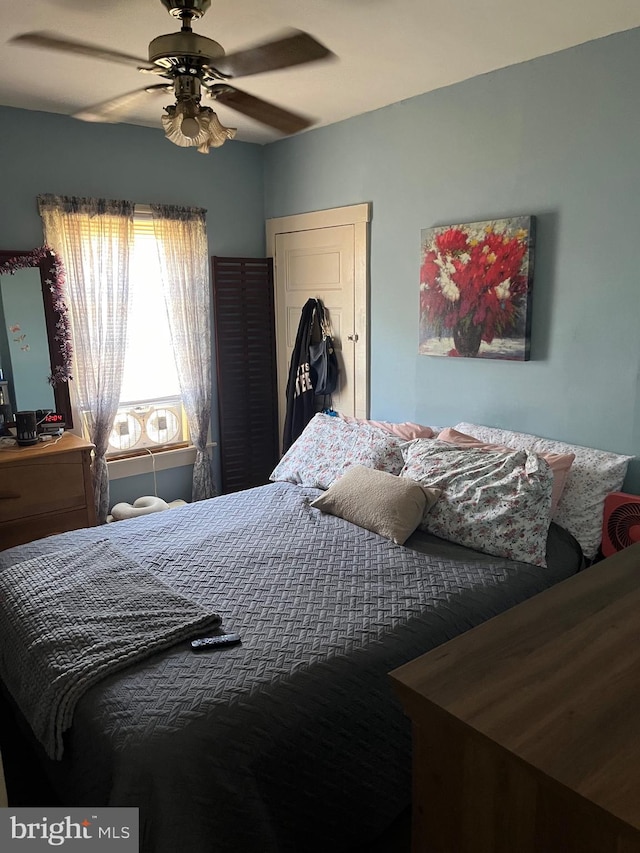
[(246, 363)]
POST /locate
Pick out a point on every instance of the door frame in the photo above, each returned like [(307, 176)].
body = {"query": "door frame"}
[(358, 215)]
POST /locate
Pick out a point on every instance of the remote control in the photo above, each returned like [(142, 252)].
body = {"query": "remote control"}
[(204, 644)]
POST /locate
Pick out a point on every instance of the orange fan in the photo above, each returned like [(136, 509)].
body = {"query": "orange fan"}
[(621, 522)]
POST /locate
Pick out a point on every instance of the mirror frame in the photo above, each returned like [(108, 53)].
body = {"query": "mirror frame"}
[(55, 316)]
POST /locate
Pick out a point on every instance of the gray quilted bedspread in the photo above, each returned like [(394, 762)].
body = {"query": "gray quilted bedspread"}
[(292, 741)]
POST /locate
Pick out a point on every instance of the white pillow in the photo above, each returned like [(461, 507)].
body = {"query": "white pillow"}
[(494, 501), (594, 473), (141, 506), (328, 446)]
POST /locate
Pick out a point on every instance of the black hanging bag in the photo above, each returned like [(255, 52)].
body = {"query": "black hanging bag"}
[(323, 361), (301, 403)]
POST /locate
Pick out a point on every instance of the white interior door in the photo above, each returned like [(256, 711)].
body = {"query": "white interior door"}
[(324, 255), (319, 264)]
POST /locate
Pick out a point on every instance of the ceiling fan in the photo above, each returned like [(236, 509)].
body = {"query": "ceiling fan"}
[(194, 66)]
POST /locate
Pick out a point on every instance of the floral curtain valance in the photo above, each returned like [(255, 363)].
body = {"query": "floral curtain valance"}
[(88, 206), (178, 213)]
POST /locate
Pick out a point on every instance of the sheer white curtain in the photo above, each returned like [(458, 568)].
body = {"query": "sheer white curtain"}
[(94, 237), (181, 238)]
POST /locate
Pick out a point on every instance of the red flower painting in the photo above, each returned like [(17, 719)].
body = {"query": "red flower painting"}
[(475, 284)]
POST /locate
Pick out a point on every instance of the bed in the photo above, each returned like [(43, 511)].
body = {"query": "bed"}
[(292, 740)]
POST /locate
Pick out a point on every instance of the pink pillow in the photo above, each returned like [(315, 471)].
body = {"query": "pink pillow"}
[(560, 463), (407, 430)]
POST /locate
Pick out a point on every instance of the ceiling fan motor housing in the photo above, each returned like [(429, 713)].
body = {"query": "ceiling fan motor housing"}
[(193, 8), (176, 48)]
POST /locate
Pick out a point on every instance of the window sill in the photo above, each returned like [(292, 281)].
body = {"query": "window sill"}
[(158, 461)]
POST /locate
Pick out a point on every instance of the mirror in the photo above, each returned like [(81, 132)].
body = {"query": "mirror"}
[(35, 349)]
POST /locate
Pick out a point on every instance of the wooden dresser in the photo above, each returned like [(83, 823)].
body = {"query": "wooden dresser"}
[(45, 489), (527, 728)]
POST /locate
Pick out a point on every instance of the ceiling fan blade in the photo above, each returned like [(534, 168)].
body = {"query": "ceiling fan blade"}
[(112, 111), (262, 111), (293, 49), (50, 41)]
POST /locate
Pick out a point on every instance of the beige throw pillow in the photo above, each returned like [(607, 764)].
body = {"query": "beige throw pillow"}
[(378, 501)]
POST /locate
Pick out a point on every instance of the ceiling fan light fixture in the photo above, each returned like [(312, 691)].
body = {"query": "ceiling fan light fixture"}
[(193, 65), (190, 127), (203, 128)]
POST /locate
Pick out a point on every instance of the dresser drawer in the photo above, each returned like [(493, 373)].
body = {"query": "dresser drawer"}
[(45, 489), (41, 486), (37, 527)]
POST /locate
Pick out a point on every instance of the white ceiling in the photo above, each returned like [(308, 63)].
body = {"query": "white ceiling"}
[(387, 50)]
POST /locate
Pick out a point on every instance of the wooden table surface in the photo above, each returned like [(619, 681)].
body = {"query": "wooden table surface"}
[(555, 681), (66, 443)]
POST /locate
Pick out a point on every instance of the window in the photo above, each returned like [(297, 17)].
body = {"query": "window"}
[(150, 413), (95, 239)]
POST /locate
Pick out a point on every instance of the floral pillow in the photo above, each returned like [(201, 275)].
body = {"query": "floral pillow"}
[(329, 446), (594, 473), (560, 463), (494, 501)]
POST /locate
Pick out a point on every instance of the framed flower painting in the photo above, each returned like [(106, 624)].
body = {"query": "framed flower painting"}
[(475, 289)]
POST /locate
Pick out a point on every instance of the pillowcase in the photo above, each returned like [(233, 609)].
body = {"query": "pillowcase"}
[(386, 504), (328, 446), (560, 463), (406, 431), (494, 501), (594, 473)]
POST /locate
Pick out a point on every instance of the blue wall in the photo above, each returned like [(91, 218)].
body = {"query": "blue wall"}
[(557, 137), (47, 153)]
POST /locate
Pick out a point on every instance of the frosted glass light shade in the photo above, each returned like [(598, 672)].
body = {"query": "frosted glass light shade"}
[(212, 133)]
